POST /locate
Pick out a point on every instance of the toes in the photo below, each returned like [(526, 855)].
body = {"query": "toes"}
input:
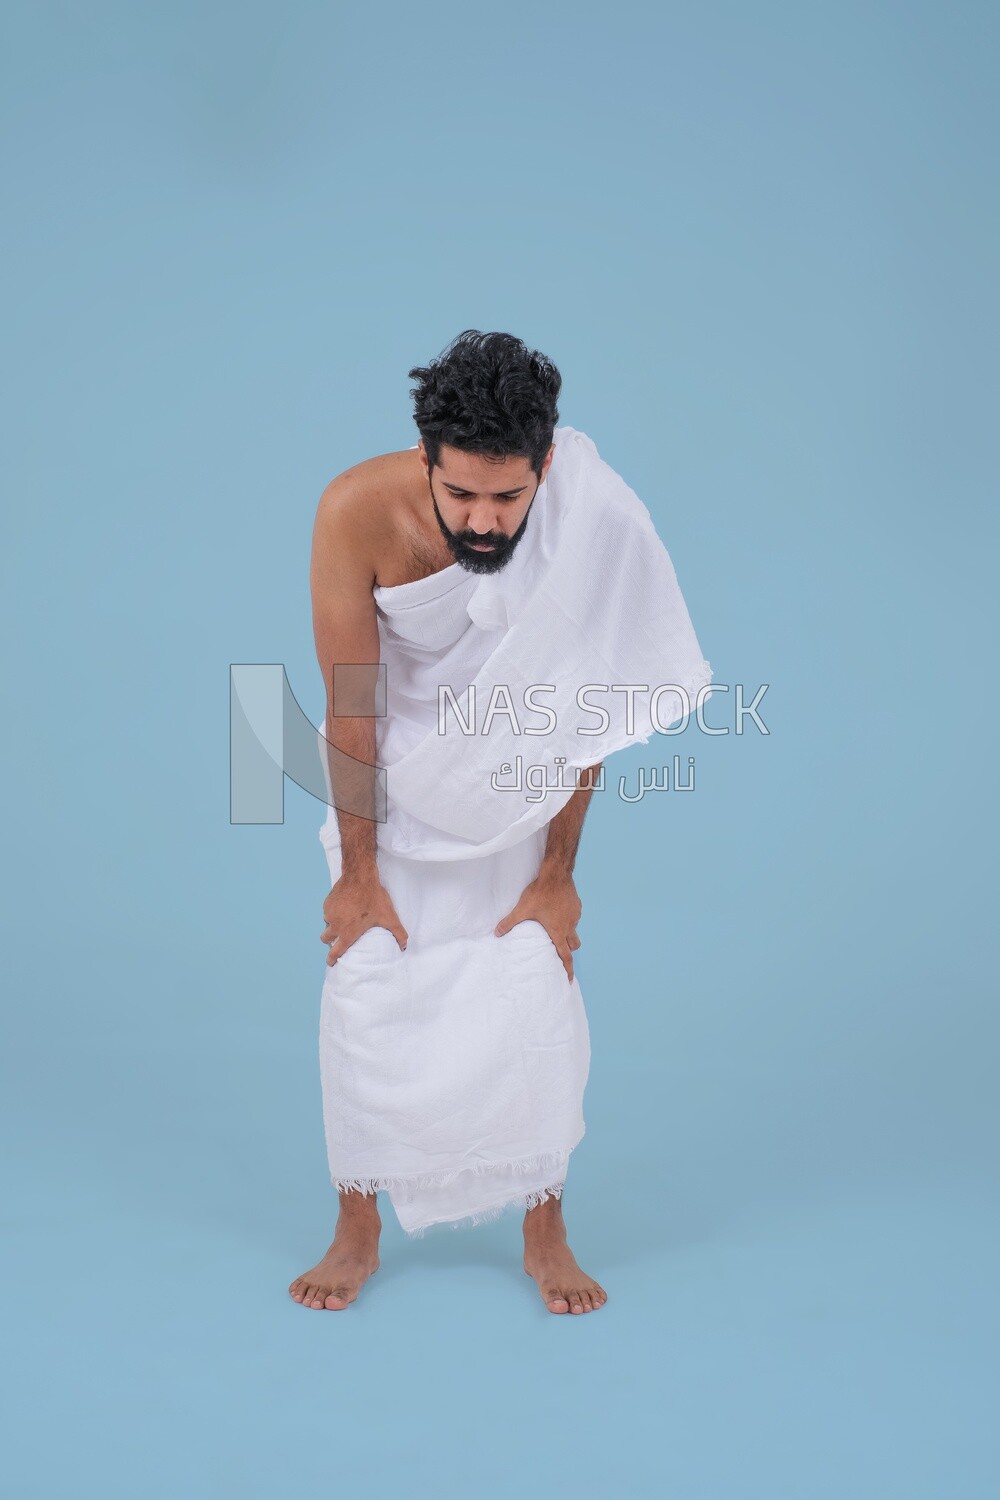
[(588, 1305), (338, 1299), (555, 1300)]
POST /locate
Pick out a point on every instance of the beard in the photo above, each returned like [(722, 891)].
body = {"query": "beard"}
[(481, 562)]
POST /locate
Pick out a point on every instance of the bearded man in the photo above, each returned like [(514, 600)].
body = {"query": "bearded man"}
[(497, 573)]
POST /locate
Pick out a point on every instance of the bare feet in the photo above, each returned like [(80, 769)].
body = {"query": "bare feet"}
[(550, 1261), (338, 1278)]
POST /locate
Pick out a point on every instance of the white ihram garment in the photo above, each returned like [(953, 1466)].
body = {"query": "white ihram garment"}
[(453, 1072)]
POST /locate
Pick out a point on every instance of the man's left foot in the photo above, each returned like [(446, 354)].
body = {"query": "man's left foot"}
[(552, 1264)]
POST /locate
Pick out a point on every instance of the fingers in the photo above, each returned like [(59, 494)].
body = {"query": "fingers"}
[(565, 949), (506, 923), (340, 947)]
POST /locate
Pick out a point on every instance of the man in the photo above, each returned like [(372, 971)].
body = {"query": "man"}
[(499, 558)]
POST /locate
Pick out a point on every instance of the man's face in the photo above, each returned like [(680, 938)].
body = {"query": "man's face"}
[(481, 506)]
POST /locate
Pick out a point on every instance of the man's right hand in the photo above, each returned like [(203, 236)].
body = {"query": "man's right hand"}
[(355, 904)]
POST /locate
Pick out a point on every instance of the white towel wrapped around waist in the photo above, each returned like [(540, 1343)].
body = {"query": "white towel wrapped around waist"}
[(453, 1072)]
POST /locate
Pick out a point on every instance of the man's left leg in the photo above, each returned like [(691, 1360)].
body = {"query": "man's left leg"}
[(552, 1264)]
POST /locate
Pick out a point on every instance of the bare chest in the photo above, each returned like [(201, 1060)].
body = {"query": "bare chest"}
[(409, 553)]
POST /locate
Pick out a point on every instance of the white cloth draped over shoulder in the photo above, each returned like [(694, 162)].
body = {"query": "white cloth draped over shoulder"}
[(453, 1073), (590, 596)]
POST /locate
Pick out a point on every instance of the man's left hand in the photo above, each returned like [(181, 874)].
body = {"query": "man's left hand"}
[(551, 900)]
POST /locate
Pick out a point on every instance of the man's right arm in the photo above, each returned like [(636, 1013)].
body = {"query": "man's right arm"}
[(346, 631), (345, 625)]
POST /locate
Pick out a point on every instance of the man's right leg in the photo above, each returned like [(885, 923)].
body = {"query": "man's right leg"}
[(338, 1278)]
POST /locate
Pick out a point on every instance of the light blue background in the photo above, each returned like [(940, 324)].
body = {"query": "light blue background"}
[(760, 242)]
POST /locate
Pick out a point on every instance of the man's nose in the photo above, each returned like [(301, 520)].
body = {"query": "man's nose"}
[(483, 521)]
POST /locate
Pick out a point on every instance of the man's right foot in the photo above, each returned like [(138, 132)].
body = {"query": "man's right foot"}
[(338, 1278)]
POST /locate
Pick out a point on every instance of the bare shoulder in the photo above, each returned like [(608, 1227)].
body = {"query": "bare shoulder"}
[(360, 513), (366, 493)]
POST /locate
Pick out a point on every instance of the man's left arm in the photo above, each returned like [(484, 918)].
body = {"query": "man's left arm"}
[(551, 899)]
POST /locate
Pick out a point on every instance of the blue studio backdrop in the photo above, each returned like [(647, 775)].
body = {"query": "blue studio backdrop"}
[(760, 244)]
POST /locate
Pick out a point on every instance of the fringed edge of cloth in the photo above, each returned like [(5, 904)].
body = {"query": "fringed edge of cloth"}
[(487, 1215), (538, 1163)]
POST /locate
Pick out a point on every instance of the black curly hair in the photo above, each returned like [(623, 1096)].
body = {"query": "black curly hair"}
[(487, 393)]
